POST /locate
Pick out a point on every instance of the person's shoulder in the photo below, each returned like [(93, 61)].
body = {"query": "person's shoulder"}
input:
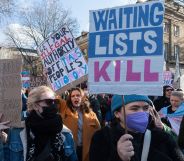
[(101, 138), (102, 133)]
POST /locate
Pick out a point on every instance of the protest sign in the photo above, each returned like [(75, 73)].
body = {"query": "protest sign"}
[(62, 59), (10, 91), (126, 49), (36, 81), (167, 78)]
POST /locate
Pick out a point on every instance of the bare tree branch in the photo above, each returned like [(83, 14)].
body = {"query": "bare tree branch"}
[(38, 22)]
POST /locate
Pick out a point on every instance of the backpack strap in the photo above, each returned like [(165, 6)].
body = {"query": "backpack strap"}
[(146, 145)]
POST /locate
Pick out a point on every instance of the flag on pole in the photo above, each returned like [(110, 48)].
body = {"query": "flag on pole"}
[(177, 69)]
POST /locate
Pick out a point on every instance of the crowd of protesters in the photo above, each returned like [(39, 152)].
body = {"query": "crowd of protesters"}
[(78, 126)]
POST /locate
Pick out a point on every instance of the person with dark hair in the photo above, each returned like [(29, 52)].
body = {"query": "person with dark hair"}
[(164, 100), (95, 105), (81, 120), (130, 137), (104, 107)]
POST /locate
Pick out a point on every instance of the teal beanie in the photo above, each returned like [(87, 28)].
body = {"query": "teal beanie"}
[(117, 100)]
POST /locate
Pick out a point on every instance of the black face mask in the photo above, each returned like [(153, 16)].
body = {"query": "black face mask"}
[(49, 111)]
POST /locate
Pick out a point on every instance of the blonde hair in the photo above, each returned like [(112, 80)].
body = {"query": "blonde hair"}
[(178, 94), (35, 95)]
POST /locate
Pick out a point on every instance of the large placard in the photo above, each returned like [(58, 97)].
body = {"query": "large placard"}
[(126, 49), (62, 59), (10, 91)]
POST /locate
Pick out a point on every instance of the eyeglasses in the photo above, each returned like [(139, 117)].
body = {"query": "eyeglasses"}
[(49, 101), (170, 89)]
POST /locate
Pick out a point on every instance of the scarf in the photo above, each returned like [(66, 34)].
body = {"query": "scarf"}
[(174, 118), (40, 130)]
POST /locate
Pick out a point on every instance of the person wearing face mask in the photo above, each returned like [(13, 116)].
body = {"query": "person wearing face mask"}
[(140, 142), (81, 120), (45, 138)]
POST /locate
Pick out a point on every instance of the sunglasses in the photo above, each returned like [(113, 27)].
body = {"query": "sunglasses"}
[(49, 101), (170, 89)]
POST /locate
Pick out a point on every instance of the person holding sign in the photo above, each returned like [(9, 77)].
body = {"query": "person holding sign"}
[(141, 143), (81, 120), (46, 137), (3, 126)]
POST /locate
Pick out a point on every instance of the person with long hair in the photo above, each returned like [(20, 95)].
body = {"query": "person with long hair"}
[(81, 120)]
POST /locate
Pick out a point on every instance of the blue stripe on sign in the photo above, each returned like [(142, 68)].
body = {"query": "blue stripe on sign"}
[(130, 42)]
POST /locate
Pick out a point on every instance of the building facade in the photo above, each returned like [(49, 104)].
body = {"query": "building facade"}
[(174, 34)]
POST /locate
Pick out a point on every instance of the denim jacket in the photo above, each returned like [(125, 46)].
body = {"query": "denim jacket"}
[(13, 149), (69, 146)]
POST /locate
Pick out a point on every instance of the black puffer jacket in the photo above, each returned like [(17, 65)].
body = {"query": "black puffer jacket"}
[(162, 146)]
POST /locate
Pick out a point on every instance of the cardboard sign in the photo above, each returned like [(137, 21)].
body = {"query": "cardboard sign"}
[(37, 81), (167, 78), (126, 49), (62, 59), (10, 91)]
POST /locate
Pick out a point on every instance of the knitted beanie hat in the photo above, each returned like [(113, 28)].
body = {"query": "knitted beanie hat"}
[(117, 100)]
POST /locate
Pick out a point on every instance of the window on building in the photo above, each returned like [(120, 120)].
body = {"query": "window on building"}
[(166, 27), (176, 30), (176, 51), (166, 51)]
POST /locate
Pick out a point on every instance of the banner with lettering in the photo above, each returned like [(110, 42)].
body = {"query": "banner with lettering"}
[(126, 49), (168, 78), (36, 81), (63, 60)]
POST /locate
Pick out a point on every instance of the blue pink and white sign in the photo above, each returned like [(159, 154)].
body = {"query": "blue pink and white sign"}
[(126, 49), (62, 59)]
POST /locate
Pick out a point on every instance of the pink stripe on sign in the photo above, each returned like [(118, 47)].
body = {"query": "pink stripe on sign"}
[(132, 76), (117, 70), (101, 72), (148, 76)]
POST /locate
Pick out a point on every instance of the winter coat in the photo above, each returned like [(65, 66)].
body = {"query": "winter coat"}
[(162, 147), (69, 147), (161, 102), (90, 126), (181, 135)]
